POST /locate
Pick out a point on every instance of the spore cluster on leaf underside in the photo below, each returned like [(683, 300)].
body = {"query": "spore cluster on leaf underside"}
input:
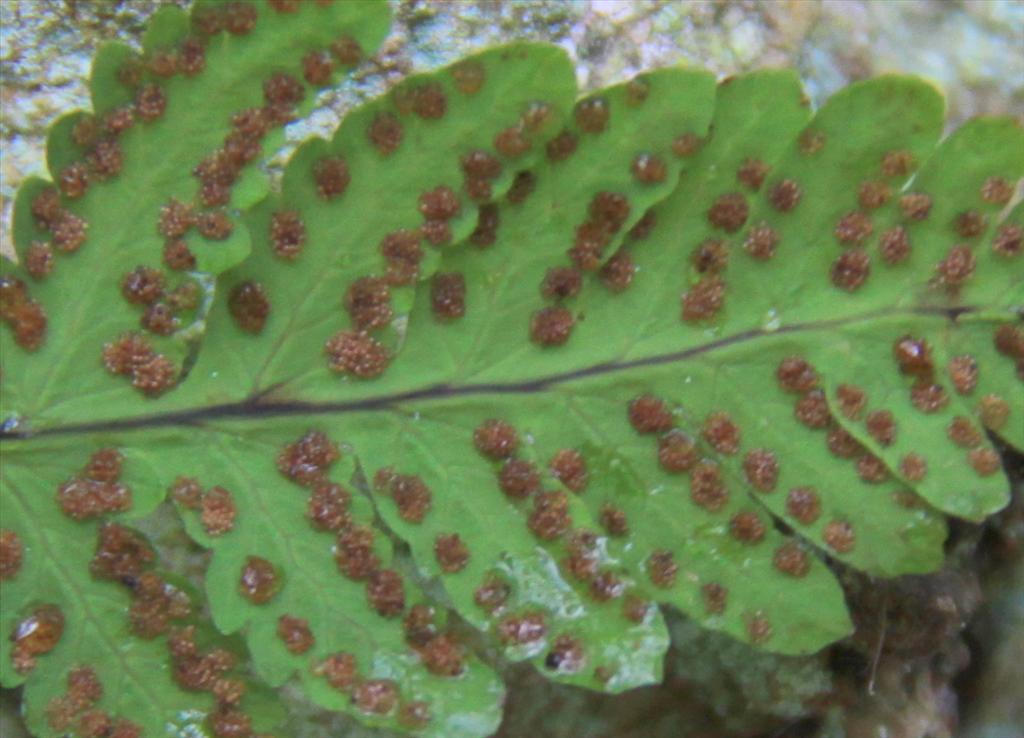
[(499, 370)]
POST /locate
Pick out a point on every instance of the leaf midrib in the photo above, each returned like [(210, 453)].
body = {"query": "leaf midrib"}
[(257, 407)]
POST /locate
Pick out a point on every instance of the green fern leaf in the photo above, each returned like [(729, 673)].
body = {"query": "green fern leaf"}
[(498, 370)]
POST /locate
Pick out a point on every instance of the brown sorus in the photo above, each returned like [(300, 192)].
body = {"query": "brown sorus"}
[(249, 306), (839, 536), (36, 635), (340, 670), (120, 553), (785, 195), (649, 414), (704, 300), (294, 632), (796, 374), (451, 552), (259, 581), (448, 295), (354, 553), (307, 460), (385, 592), (368, 302), (761, 468), (385, 133), (617, 273), (791, 559), (496, 439), (752, 172), (1009, 240), (570, 468), (662, 568), (803, 504), (715, 597), (358, 354), (853, 229), (375, 696), (812, 410), (894, 245), (592, 114), (550, 516), (331, 176), (217, 511), (706, 487), (469, 76), (519, 478), (915, 205), (747, 527), (412, 496), (722, 433), (11, 554), (729, 212), (851, 270)]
